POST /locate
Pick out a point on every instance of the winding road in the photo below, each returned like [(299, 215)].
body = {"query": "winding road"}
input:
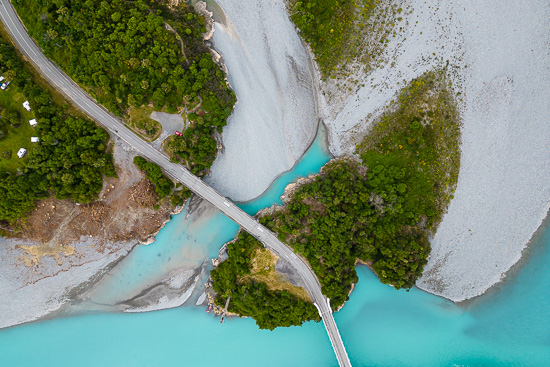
[(73, 92)]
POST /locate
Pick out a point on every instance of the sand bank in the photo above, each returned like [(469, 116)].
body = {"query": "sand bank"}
[(275, 117), (28, 293)]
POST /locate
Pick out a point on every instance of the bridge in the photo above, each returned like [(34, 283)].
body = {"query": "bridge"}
[(116, 127)]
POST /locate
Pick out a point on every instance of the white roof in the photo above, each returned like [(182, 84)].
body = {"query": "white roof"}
[(32, 122), (34, 139), (21, 152), (26, 105), (2, 78)]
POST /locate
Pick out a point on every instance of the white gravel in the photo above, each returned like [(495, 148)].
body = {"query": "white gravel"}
[(171, 301), (27, 294), (275, 117), (503, 193)]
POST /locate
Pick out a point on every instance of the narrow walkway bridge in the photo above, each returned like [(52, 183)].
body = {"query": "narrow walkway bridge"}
[(73, 92)]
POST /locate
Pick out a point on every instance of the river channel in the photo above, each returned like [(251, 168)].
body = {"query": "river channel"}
[(379, 326)]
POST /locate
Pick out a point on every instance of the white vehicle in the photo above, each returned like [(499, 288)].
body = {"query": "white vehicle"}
[(21, 152), (27, 106), (4, 85), (2, 78)]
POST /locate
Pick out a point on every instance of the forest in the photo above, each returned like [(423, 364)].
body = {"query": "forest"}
[(383, 208), (130, 54), (70, 159), (269, 308)]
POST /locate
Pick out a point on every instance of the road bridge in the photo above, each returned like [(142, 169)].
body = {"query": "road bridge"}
[(116, 127)]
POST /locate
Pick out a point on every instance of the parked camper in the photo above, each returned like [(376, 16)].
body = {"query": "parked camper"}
[(4, 85), (27, 106), (21, 152)]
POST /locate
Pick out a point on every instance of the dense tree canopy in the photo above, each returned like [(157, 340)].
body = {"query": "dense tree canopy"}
[(131, 53), (18, 194), (269, 308), (71, 155), (343, 215)]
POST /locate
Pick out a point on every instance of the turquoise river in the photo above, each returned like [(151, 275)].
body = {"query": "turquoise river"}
[(509, 326)]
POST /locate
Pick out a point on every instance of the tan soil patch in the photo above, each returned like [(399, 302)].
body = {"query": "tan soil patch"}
[(263, 270), (33, 254), (123, 213)]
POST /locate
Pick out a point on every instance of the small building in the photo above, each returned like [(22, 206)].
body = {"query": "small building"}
[(2, 78), (34, 139), (21, 153), (33, 122), (27, 106)]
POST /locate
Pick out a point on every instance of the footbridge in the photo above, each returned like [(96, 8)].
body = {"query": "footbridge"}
[(116, 128)]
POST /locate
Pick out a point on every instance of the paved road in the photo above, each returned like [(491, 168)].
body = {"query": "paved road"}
[(116, 128)]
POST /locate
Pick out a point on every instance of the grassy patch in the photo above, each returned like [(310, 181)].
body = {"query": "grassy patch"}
[(263, 270), (251, 297), (141, 122), (37, 78), (15, 137), (422, 135)]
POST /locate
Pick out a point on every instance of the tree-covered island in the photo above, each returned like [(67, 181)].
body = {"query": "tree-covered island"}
[(380, 209)]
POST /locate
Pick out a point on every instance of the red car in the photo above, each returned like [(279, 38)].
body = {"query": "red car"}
[(178, 133)]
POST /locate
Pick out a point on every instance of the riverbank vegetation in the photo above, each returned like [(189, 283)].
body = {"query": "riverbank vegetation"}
[(250, 297), (345, 34), (163, 185), (382, 209), (130, 54), (70, 159), (139, 119)]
